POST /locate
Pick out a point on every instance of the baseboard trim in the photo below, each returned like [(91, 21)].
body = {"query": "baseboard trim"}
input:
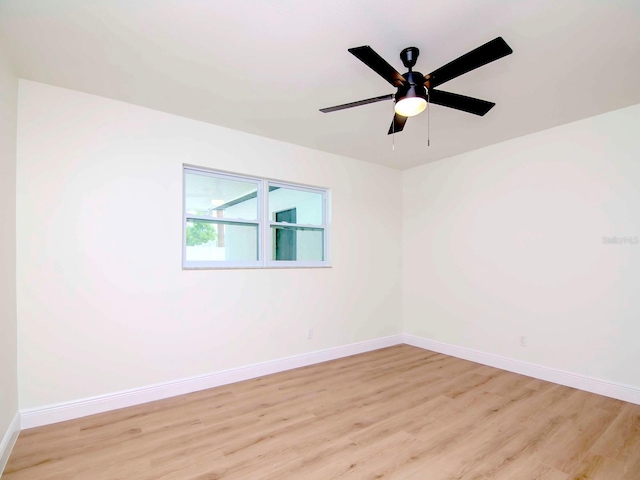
[(581, 382), (36, 417), (8, 441)]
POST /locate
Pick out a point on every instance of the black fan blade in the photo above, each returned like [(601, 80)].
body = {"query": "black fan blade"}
[(460, 102), (357, 104), (487, 53), (398, 124), (375, 62)]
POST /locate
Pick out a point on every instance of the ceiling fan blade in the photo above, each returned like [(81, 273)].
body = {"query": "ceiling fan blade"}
[(398, 124), (375, 62), (460, 102), (487, 53), (357, 104)]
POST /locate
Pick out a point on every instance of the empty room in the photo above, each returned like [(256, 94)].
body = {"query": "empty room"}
[(344, 239)]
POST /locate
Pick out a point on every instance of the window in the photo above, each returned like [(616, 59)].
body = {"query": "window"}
[(233, 221)]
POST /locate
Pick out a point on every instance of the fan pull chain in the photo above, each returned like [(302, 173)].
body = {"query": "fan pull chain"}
[(393, 129), (428, 120)]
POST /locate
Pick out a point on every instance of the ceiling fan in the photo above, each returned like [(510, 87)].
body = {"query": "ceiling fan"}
[(414, 89)]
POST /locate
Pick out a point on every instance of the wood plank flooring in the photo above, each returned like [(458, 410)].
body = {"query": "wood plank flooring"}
[(396, 413)]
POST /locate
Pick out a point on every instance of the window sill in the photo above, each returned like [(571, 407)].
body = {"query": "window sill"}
[(260, 267)]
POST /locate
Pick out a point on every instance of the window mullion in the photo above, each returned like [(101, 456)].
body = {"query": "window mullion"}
[(264, 211)]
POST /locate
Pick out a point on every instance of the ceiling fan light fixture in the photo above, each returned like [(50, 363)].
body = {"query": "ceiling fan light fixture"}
[(411, 99), (410, 106)]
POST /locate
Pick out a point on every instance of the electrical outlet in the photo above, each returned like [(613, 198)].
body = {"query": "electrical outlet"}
[(523, 341), (310, 333)]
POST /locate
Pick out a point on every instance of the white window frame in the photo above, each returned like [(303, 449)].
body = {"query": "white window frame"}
[(264, 223), (194, 264), (269, 223)]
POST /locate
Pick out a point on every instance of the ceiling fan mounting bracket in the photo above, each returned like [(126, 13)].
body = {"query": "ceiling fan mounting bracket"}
[(409, 56)]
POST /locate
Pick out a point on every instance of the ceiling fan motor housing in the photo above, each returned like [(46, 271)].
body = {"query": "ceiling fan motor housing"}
[(413, 88)]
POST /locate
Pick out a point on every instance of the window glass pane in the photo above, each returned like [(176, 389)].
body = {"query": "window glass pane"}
[(220, 197), (212, 241), (303, 207), (297, 244)]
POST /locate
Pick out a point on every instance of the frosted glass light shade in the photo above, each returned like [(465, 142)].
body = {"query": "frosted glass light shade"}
[(410, 106)]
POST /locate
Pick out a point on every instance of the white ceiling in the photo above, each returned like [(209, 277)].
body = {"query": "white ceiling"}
[(266, 67)]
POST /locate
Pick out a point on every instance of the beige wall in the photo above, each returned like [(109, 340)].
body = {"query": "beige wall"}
[(103, 304), (507, 241), (8, 336)]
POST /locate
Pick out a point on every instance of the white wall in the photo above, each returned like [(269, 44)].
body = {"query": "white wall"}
[(98, 178), (8, 335), (507, 241), (497, 243)]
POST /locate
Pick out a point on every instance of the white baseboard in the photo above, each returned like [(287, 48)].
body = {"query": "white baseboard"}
[(8, 441), (36, 417), (581, 382)]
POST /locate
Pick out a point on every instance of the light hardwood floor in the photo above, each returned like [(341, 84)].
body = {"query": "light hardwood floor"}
[(397, 413)]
